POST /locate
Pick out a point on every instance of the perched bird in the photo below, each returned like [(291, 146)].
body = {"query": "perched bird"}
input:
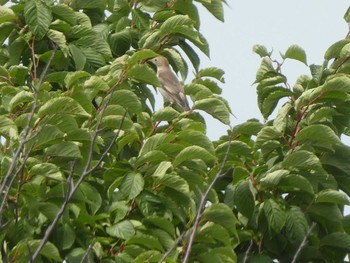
[(171, 89)]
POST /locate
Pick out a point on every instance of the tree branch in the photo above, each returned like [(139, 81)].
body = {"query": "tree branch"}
[(303, 243), (203, 202)]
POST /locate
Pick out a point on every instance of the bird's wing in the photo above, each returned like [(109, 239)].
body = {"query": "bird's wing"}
[(170, 83)]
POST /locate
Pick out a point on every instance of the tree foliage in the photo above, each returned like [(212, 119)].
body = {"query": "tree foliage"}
[(92, 172)]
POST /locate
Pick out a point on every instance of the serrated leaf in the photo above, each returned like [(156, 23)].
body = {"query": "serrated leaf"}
[(132, 185), (66, 13), (78, 56), (297, 53), (212, 72), (332, 196), (221, 214), (296, 225), (146, 241), (162, 168), (141, 19), (177, 62), (73, 78), (127, 99), (191, 54), (302, 159), (173, 181), (175, 21), (318, 135), (215, 8), (196, 138), (38, 17), (165, 114), (65, 150), (273, 179), (337, 240), (152, 156), (214, 107), (123, 230), (141, 55), (143, 73), (154, 141), (244, 198), (60, 39), (62, 105), (276, 217), (194, 152)]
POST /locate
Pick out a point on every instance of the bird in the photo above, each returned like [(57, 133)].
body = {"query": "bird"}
[(171, 88)]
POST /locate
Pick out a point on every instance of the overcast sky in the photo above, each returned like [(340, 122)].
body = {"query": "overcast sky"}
[(312, 24)]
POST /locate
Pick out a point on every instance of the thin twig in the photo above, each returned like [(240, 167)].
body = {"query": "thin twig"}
[(57, 217), (87, 252), (303, 243), (248, 251), (177, 241), (203, 202)]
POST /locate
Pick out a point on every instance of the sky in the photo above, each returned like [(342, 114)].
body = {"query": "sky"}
[(277, 24)]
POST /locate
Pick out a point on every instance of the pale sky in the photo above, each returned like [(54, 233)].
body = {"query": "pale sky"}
[(312, 24)]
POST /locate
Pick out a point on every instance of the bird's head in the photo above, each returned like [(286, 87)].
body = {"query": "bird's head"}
[(159, 61)]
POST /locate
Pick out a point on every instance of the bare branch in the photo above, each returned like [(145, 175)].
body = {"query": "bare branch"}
[(203, 202), (303, 243), (177, 241), (57, 217), (248, 251)]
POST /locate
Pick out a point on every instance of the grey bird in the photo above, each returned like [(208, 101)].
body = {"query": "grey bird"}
[(171, 89)]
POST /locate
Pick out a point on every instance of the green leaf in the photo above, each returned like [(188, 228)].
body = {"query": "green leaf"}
[(261, 51), (215, 8), (141, 55), (276, 217), (334, 50), (332, 196), (296, 225), (337, 240), (165, 114), (66, 13), (8, 128), (146, 241), (177, 62), (175, 21), (193, 137), (215, 108), (152, 156), (162, 223), (143, 73), (325, 211), (62, 105), (6, 14), (244, 198), (212, 72), (78, 57), (141, 19), (297, 53), (318, 135), (132, 185), (273, 179), (221, 214), (38, 17), (162, 168), (48, 170), (191, 54), (302, 159), (123, 230), (194, 152), (75, 77), (127, 99), (174, 181), (64, 149), (19, 99), (153, 142), (60, 39)]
